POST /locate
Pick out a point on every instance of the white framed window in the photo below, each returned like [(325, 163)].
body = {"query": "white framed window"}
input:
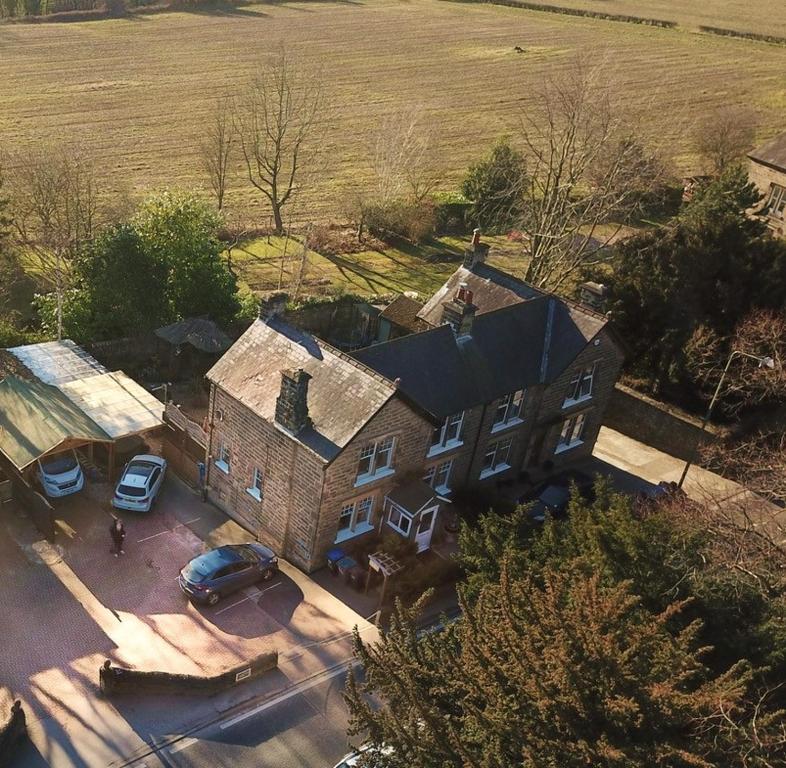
[(509, 410), (438, 476), (255, 489), (398, 519), (448, 435), (776, 202), (580, 386), (497, 457), (376, 461), (223, 458), (355, 518), (571, 433)]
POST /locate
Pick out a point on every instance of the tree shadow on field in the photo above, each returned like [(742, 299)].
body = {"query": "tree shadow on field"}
[(221, 8)]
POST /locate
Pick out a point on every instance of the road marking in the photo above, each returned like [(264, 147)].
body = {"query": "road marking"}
[(182, 744), (161, 533), (296, 691), (234, 605), (267, 589)]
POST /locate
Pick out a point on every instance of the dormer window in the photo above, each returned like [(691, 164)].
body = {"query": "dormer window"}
[(580, 386), (447, 436), (509, 410)]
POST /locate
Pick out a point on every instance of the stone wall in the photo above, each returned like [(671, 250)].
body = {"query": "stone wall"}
[(659, 425), (764, 177)]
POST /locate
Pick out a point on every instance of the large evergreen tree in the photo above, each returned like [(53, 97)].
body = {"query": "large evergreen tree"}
[(180, 230), (709, 267), (585, 643)]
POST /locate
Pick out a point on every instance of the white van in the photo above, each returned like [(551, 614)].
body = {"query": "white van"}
[(61, 474)]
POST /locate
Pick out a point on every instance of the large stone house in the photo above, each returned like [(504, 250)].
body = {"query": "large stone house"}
[(310, 447), (768, 172)]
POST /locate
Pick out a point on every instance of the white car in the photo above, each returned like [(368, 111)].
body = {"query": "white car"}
[(140, 483), (351, 760), (61, 474)]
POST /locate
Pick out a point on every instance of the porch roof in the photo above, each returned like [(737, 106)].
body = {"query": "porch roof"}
[(412, 497)]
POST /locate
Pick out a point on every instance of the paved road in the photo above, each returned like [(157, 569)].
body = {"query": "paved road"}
[(302, 728)]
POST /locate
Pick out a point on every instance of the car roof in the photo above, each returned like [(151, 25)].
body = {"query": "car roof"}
[(141, 468), (554, 495), (220, 557)]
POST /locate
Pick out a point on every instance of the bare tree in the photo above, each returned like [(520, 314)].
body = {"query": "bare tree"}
[(216, 148), (54, 210), (724, 138), (401, 157), (275, 121), (585, 174)]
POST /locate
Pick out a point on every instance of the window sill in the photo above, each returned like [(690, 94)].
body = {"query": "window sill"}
[(442, 490), (501, 427), (350, 534), (494, 471), (223, 466), (451, 445), (398, 530), (570, 403), (568, 446), (366, 479), (254, 493)]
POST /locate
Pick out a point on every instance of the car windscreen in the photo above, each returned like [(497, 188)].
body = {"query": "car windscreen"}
[(58, 465), (198, 570), (130, 490)]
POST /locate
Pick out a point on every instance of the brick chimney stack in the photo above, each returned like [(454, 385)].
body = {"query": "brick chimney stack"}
[(292, 402), (273, 306), (477, 251), (459, 312)]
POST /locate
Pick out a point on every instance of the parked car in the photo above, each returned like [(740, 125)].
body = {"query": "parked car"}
[(368, 751), (140, 483), (219, 572), (553, 496), (61, 474)]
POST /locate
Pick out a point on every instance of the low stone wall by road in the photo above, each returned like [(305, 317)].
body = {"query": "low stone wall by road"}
[(659, 425)]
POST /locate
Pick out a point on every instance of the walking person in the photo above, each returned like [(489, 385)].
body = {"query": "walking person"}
[(118, 534)]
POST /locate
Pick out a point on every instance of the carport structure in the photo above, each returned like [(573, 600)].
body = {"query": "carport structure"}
[(69, 401)]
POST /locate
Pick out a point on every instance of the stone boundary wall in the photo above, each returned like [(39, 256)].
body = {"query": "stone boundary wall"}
[(118, 680), (656, 424)]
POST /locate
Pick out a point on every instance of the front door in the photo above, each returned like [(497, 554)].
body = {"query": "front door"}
[(425, 529)]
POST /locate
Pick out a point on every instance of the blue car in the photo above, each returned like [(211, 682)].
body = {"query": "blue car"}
[(209, 577)]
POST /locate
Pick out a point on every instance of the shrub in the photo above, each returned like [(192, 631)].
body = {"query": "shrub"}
[(409, 220)]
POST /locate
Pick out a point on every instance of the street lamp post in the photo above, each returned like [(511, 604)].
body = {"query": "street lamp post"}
[(764, 362)]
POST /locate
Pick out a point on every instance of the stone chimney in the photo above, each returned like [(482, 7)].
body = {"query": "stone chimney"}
[(273, 306), (292, 402), (594, 295), (477, 251), (459, 312)]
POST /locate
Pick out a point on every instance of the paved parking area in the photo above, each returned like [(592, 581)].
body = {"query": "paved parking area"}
[(70, 605)]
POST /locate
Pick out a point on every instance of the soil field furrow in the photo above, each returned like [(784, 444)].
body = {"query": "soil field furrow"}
[(135, 93)]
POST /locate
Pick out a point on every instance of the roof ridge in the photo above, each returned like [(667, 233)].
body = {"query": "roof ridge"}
[(349, 359)]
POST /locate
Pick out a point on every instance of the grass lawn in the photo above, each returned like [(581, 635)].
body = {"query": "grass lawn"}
[(135, 93), (394, 270)]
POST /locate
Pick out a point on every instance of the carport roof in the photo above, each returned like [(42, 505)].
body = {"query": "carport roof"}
[(116, 403), (35, 418), (57, 362)]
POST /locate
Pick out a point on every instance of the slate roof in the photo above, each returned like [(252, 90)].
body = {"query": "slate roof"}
[(342, 394), (773, 153), (35, 418), (199, 332), (403, 312), (413, 496), (492, 289), (511, 348)]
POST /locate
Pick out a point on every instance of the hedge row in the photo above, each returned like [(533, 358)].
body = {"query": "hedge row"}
[(744, 35), (579, 12)]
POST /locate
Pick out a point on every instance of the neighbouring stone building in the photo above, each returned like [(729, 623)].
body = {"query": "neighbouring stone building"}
[(768, 172), (309, 447)]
